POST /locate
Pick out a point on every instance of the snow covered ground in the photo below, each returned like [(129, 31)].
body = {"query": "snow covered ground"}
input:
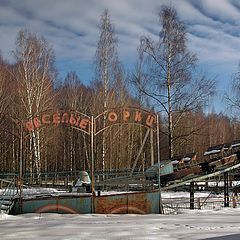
[(185, 225), (190, 224)]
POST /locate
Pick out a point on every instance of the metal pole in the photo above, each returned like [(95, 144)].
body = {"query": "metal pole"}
[(192, 195), (226, 190), (158, 159), (20, 182), (21, 153), (92, 156), (140, 150)]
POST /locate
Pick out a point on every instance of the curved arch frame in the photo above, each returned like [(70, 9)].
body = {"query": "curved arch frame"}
[(88, 125), (126, 115), (83, 122)]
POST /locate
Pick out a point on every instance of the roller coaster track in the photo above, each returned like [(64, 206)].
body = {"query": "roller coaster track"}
[(182, 182)]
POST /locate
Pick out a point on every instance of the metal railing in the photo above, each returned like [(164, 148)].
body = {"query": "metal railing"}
[(107, 180), (8, 194), (171, 205)]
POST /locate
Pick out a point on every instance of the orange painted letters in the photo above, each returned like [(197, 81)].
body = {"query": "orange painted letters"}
[(112, 117), (126, 115)]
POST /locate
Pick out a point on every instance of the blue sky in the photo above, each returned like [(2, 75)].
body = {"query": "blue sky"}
[(71, 27)]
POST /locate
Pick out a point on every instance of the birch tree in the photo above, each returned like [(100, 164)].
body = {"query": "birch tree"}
[(4, 96), (34, 74), (105, 62), (169, 79), (75, 96), (5, 122), (233, 97)]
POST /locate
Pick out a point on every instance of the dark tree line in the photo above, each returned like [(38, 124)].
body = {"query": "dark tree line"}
[(165, 81)]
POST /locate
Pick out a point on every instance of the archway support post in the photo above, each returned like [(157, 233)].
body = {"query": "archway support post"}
[(92, 158), (159, 166)]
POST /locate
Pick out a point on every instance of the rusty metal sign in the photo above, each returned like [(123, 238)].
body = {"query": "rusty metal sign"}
[(83, 122), (74, 119), (127, 115)]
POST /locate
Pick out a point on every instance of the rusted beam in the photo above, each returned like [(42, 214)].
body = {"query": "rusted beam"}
[(174, 185), (140, 150)]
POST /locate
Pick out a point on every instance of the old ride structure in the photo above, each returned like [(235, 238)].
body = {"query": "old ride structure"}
[(119, 191)]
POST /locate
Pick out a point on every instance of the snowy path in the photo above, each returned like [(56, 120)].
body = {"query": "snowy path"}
[(188, 225)]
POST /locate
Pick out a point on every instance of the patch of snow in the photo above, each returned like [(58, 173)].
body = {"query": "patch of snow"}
[(211, 152), (170, 194), (35, 191), (235, 145), (113, 192), (186, 159)]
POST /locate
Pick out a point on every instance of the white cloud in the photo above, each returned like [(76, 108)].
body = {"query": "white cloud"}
[(223, 11), (72, 27)]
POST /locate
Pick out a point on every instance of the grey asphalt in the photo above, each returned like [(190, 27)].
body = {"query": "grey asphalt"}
[(227, 237)]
